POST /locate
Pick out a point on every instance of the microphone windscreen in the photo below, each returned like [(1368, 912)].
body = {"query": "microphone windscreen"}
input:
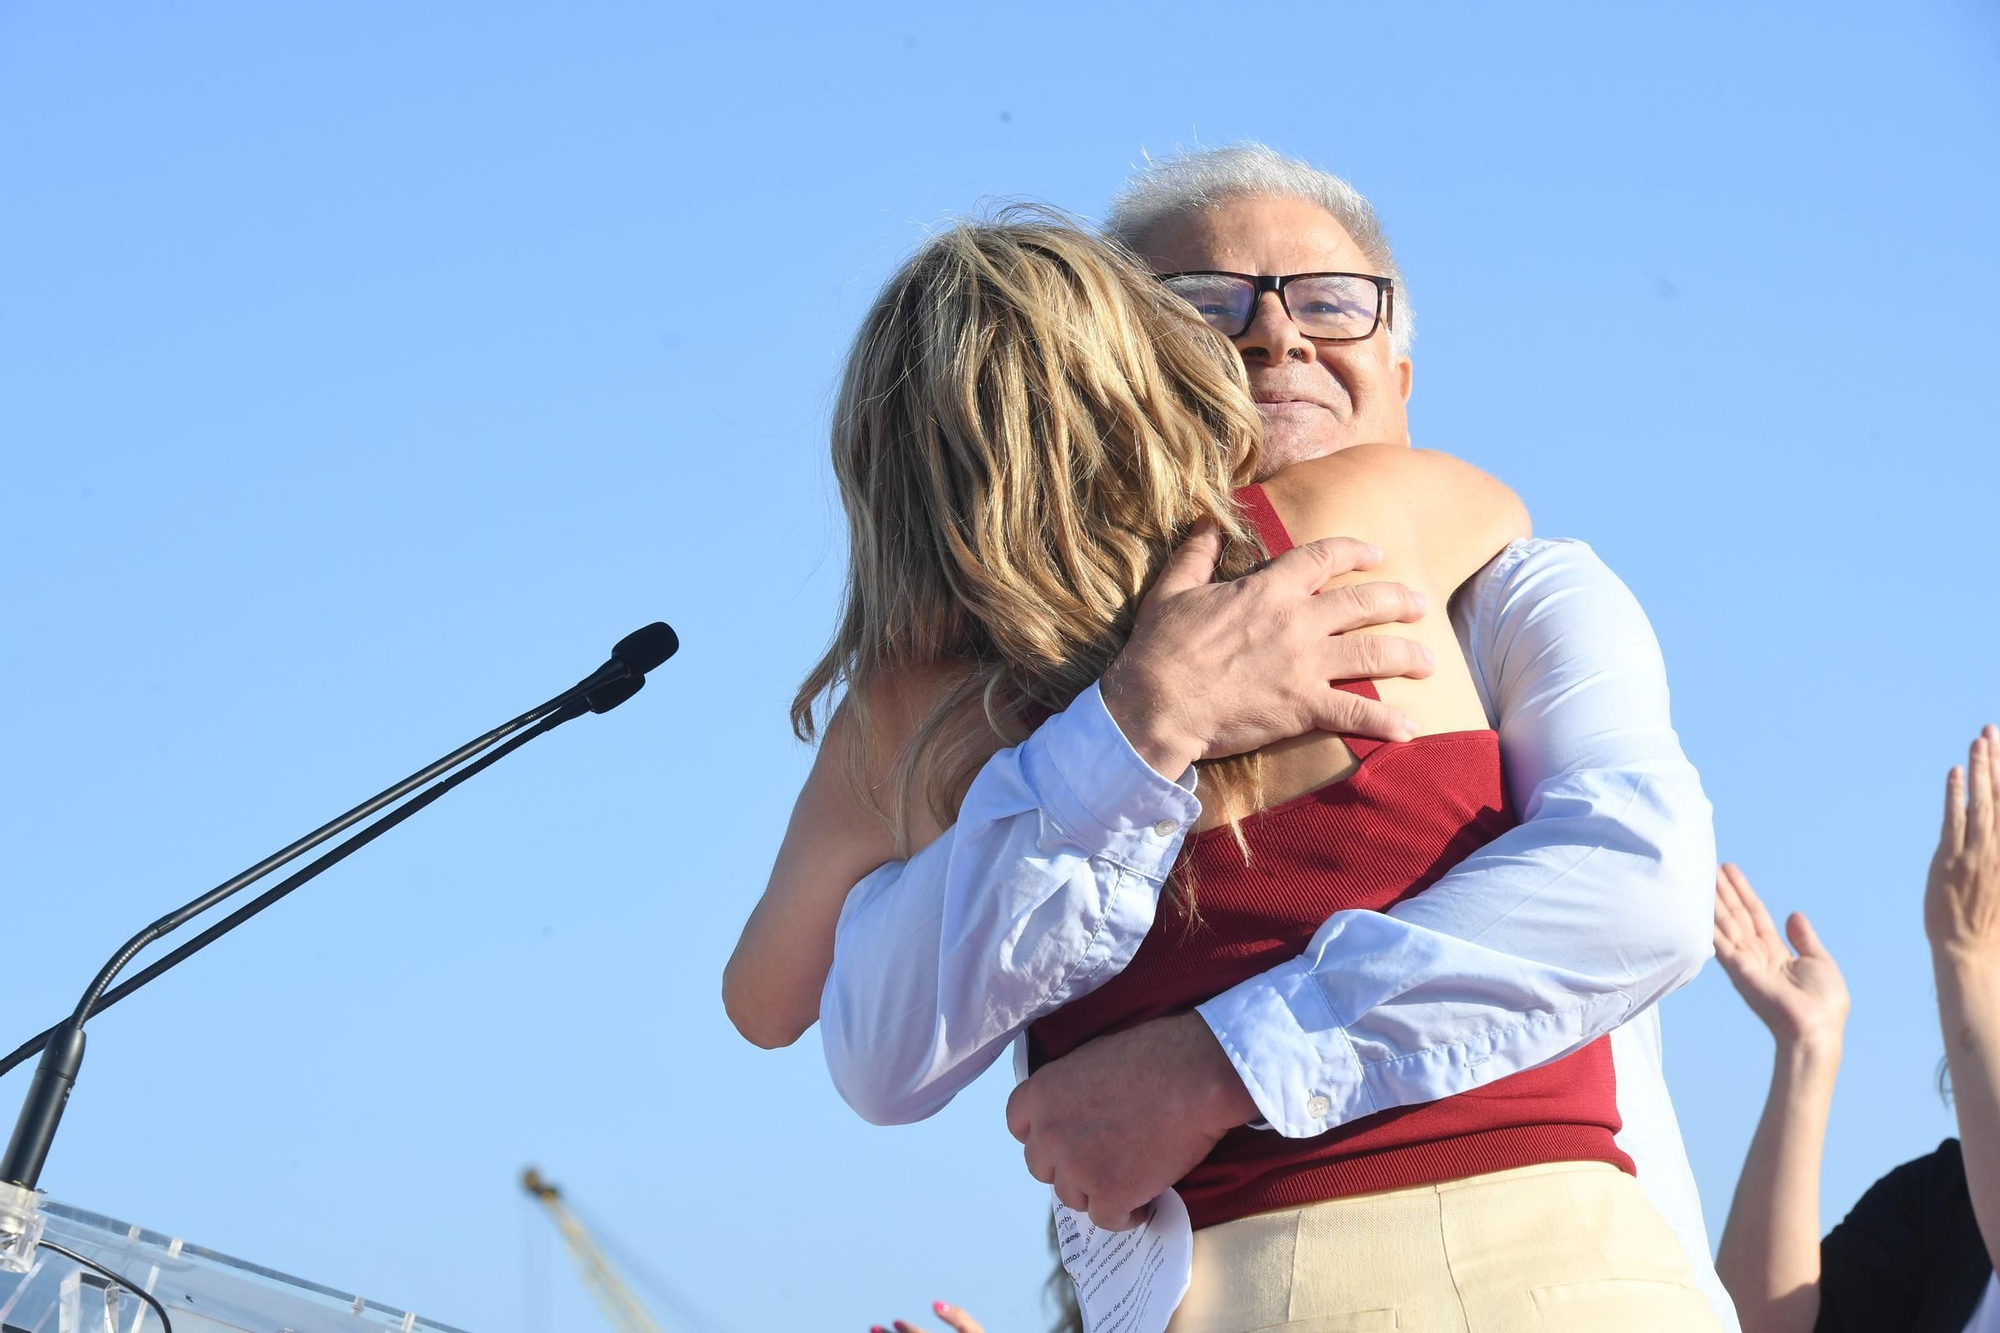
[(644, 649), (613, 692)]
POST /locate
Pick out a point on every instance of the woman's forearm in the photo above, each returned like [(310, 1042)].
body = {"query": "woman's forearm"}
[(1968, 986), (1769, 1257)]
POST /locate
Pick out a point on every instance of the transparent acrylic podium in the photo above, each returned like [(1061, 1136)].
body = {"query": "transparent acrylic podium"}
[(203, 1292)]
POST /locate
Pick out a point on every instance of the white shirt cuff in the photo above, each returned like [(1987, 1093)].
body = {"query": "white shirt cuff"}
[(1293, 1056), (1102, 795)]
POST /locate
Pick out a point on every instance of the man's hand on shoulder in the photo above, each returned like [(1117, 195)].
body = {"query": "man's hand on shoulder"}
[(1215, 669), (1121, 1118)]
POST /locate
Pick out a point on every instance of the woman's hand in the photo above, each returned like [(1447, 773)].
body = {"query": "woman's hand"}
[(1962, 919), (1801, 997), (951, 1314), (1962, 900), (1769, 1257)]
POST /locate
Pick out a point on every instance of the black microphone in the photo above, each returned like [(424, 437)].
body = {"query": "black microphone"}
[(621, 677), (632, 657), (644, 649), (612, 693)]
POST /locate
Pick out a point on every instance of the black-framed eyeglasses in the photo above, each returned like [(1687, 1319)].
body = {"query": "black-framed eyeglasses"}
[(1327, 307)]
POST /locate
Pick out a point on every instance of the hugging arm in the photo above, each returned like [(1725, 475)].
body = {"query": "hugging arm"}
[(1047, 883), (1034, 897), (1073, 830), (1597, 904), (771, 983)]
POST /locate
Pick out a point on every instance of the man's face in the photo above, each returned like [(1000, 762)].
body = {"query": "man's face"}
[(1316, 398)]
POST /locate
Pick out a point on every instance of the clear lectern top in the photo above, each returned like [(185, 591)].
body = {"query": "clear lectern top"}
[(203, 1292)]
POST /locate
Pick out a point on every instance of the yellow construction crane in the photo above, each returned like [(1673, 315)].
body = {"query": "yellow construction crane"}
[(623, 1308)]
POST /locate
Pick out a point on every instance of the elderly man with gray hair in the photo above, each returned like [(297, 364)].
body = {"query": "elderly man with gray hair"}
[(1567, 929)]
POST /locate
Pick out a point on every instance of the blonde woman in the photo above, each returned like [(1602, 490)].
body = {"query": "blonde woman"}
[(1028, 426)]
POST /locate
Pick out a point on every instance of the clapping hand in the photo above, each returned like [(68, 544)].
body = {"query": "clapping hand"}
[(951, 1315), (1800, 997), (1962, 900)]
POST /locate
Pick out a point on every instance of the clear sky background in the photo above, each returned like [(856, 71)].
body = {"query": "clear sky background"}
[(367, 369)]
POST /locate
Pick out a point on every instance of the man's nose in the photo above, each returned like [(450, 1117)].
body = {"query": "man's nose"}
[(1272, 336)]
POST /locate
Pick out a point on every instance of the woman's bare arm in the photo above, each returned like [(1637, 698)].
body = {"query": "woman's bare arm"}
[(1962, 919), (1437, 519), (1769, 1258), (772, 982), (771, 985)]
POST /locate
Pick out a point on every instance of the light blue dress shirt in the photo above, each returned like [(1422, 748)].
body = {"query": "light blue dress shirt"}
[(1569, 926), (1595, 906)]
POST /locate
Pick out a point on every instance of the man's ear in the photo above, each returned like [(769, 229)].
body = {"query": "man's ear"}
[(1404, 371)]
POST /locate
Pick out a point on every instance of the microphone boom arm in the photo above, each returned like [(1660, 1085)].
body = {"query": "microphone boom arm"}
[(62, 1045)]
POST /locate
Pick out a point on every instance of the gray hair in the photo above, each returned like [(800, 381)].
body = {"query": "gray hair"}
[(1194, 182)]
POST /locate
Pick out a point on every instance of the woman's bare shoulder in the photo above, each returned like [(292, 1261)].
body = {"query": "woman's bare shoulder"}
[(1437, 510), (1369, 473), (1348, 494), (893, 703)]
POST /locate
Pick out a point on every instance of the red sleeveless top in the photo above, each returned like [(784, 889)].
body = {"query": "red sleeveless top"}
[(1407, 815)]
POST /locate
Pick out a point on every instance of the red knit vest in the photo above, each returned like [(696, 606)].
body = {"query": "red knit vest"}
[(1406, 816)]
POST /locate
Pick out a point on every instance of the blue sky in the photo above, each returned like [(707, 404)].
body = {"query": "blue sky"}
[(366, 370)]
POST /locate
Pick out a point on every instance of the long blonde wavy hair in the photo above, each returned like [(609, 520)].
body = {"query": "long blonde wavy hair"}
[(1028, 423)]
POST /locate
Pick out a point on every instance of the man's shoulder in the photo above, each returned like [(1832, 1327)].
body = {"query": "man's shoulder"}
[(1541, 552), (1540, 591), (1531, 566)]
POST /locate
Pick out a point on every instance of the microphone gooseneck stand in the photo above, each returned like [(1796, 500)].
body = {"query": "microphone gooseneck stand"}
[(62, 1045)]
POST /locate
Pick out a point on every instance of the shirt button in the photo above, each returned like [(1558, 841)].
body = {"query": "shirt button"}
[(1319, 1108), (1166, 828)]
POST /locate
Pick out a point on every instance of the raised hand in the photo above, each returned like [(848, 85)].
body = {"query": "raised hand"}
[(951, 1315), (1962, 899), (1769, 1258), (1801, 996)]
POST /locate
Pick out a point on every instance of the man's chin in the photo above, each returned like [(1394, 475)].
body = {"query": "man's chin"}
[(1287, 442)]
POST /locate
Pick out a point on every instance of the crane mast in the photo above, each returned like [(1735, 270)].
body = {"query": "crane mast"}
[(617, 1300)]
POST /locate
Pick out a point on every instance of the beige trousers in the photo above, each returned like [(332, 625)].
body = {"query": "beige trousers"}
[(1572, 1247)]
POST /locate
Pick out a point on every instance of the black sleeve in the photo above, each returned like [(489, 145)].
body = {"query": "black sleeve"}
[(1908, 1255), (1871, 1264)]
